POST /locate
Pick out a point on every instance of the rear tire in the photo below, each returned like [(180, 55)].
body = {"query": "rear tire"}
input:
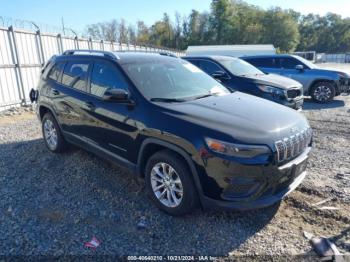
[(323, 92), (169, 183), (52, 134)]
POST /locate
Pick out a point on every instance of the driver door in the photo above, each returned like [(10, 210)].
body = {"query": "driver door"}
[(288, 69), (211, 67), (110, 126)]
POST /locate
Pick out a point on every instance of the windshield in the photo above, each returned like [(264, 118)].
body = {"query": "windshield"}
[(172, 79), (306, 62), (239, 67)]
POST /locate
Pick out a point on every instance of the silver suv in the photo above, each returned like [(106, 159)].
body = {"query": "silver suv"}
[(321, 84)]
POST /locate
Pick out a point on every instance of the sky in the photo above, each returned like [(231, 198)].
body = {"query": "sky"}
[(78, 13)]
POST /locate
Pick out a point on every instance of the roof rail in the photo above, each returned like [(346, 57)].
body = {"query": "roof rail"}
[(147, 52), (168, 54), (92, 52)]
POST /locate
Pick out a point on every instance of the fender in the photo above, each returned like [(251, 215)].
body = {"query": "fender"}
[(51, 111), (178, 150), (329, 80)]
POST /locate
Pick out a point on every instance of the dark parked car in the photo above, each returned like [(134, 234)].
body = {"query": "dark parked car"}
[(193, 140), (321, 84), (236, 74)]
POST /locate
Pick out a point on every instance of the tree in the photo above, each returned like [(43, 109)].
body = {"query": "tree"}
[(234, 22), (280, 29), (329, 33), (161, 32), (123, 32), (132, 34), (142, 33), (222, 21), (106, 31)]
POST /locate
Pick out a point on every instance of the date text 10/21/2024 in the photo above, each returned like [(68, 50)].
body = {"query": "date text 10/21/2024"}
[(171, 258)]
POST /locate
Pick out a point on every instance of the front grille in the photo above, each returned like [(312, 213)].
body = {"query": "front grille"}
[(292, 146), (293, 93)]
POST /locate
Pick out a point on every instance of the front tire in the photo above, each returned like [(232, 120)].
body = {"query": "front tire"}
[(169, 183), (52, 135), (323, 92)]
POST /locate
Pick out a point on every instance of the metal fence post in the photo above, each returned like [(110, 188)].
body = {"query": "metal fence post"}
[(90, 43), (59, 44), (39, 47), (76, 43), (17, 63)]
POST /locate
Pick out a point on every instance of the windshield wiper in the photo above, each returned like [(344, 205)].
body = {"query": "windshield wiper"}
[(166, 100), (202, 96), (169, 100)]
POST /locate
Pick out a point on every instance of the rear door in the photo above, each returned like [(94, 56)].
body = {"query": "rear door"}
[(71, 96), (109, 125)]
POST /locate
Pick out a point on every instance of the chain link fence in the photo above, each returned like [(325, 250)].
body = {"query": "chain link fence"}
[(24, 52)]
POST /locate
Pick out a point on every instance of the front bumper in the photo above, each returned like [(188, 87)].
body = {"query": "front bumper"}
[(344, 85), (272, 186), (295, 103)]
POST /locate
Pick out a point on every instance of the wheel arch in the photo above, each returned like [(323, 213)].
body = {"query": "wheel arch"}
[(152, 145), (324, 80), (43, 109)]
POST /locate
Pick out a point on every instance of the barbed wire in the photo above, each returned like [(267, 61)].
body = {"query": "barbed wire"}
[(34, 26)]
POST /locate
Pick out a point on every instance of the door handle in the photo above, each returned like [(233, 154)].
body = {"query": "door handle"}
[(55, 92), (90, 105)]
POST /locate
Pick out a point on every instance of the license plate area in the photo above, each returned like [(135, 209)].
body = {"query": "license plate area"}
[(298, 169), (291, 175)]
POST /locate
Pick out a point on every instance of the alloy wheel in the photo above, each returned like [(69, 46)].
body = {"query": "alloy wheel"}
[(166, 185), (322, 93), (50, 134)]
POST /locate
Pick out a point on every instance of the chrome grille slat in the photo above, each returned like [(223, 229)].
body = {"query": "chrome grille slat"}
[(292, 146), (295, 145)]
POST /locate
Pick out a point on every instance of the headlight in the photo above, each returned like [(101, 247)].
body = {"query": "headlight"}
[(237, 150), (343, 75), (272, 90)]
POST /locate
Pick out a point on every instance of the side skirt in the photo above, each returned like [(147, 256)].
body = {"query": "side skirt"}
[(92, 147)]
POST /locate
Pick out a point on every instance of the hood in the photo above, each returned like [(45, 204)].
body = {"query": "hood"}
[(274, 80), (245, 118), (331, 72)]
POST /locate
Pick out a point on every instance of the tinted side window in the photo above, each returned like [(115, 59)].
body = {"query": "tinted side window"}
[(195, 62), (75, 75), (289, 63), (106, 76), (267, 62), (55, 71), (209, 67)]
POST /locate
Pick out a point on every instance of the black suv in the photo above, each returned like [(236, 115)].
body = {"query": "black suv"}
[(193, 140), (239, 75)]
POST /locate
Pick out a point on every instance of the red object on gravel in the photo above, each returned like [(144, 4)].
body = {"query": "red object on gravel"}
[(93, 243)]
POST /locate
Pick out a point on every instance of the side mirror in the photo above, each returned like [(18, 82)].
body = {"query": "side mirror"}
[(219, 75), (116, 95), (299, 67)]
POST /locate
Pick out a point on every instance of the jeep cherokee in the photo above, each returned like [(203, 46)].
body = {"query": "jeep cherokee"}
[(193, 141)]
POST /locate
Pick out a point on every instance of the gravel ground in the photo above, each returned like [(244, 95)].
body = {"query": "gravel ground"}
[(52, 204)]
